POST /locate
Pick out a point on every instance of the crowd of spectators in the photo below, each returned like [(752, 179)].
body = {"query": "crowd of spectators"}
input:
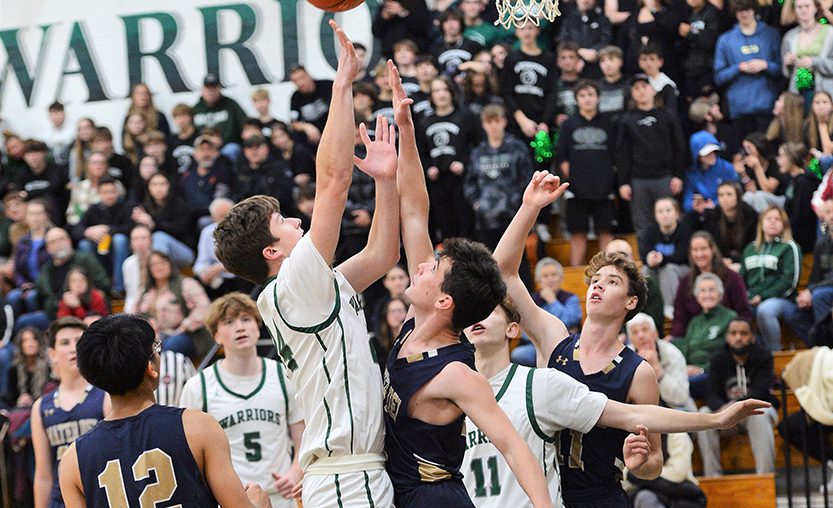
[(704, 126)]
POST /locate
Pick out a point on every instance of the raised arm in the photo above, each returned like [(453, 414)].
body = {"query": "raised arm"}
[(413, 195), (382, 249), (544, 329), (334, 160)]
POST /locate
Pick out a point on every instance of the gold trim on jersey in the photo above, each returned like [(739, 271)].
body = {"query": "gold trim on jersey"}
[(431, 473)]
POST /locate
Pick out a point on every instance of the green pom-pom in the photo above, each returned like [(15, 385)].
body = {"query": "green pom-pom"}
[(543, 146), (804, 79), (815, 168), (823, 21)]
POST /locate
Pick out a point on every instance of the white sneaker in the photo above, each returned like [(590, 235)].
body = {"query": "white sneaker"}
[(668, 311)]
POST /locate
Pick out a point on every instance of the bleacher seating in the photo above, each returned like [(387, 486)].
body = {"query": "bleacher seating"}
[(734, 491)]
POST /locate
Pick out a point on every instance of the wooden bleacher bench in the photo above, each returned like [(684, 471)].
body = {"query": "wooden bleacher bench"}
[(559, 248), (744, 490)]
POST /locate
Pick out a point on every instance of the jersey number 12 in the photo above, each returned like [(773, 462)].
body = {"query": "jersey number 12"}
[(161, 490)]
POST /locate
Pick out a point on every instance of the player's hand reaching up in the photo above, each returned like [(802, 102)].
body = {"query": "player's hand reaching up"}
[(380, 162), (636, 449), (401, 102), (349, 64), (543, 189), (257, 496), (740, 410)]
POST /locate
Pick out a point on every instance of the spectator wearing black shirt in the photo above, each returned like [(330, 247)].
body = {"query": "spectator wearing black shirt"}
[(264, 174), (170, 218), (309, 104), (384, 101), (700, 29), (405, 56), (43, 180), (527, 83), (452, 49), (426, 71), (732, 223), (763, 182), (120, 166), (447, 138), (651, 154), (108, 221), (657, 22), (299, 158), (398, 20), (261, 102), (585, 157), (181, 144), (208, 177), (792, 158), (614, 92), (223, 113), (156, 146), (650, 62), (568, 65), (664, 249), (587, 26)]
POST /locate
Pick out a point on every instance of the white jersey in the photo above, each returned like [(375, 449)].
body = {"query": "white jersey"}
[(316, 320), (539, 403), (255, 412)]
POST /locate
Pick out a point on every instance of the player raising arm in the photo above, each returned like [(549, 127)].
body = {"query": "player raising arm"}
[(313, 311), (430, 382)]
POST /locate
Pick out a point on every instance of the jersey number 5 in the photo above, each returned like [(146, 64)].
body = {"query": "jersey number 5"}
[(251, 442), (156, 460)]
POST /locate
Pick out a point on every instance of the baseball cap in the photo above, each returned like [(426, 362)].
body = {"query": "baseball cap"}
[(254, 140), (211, 79), (707, 149), (204, 139), (640, 77)]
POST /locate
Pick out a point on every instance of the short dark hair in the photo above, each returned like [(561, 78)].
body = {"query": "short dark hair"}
[(585, 84), (567, 46), (243, 234), (637, 286), (742, 319), (250, 122), (35, 145), (742, 5), (650, 49), (106, 180), (113, 353), (473, 281), (56, 106), (102, 133), (450, 14), (61, 323)]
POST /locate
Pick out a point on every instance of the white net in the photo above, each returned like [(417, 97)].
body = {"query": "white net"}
[(518, 12)]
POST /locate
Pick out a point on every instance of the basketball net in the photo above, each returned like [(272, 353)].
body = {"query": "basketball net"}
[(518, 12)]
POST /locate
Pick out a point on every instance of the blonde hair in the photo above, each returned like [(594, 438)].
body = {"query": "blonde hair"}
[(230, 305), (787, 127), (786, 235), (260, 93)]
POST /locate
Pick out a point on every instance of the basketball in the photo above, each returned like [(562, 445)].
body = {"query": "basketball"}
[(336, 5)]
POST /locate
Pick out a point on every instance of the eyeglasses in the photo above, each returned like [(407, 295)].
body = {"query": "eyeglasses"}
[(156, 348)]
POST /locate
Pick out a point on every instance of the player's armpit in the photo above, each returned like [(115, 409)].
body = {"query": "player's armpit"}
[(71, 489)]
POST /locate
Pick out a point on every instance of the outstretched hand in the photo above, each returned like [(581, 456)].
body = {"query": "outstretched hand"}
[(380, 162), (740, 410), (349, 65), (543, 189), (401, 102), (637, 448)]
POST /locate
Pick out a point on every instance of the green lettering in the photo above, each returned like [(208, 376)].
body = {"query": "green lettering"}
[(472, 436), (481, 437), (17, 62), (245, 53), (135, 53), (289, 25), (87, 68), (249, 413)]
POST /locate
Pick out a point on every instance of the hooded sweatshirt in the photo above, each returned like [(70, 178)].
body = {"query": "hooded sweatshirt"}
[(773, 270), (748, 94), (731, 380), (704, 181)]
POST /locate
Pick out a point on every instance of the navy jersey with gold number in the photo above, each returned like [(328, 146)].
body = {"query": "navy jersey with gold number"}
[(142, 460), (63, 427), (423, 459), (591, 463)]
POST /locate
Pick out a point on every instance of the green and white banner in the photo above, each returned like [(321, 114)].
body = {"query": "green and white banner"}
[(88, 53)]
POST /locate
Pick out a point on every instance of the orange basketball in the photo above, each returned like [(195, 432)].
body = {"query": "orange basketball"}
[(336, 5)]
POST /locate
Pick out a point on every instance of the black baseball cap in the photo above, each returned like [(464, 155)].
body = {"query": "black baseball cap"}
[(211, 79), (254, 140), (640, 77)]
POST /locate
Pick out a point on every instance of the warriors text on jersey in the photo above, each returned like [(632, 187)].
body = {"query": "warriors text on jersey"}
[(423, 459), (142, 460), (593, 461), (63, 427), (539, 403), (255, 412)]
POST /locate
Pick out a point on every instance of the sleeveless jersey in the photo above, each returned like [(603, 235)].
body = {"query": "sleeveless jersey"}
[(593, 461), (63, 427), (421, 454), (256, 421), (316, 320), (142, 460), (539, 403)]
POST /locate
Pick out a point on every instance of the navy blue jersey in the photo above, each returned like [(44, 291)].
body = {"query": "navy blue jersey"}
[(424, 460), (64, 427), (116, 458), (591, 464)]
